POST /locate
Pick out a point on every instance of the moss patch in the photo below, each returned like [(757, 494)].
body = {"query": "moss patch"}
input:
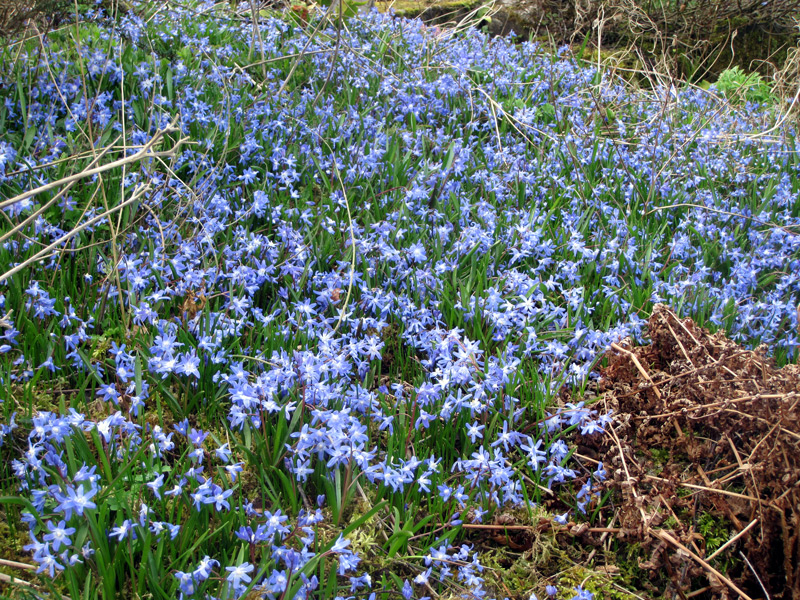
[(600, 582), (432, 10), (12, 539)]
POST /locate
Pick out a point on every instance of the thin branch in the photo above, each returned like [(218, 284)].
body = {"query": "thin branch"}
[(71, 234), (722, 212), (663, 535), (53, 200), (11, 580), (732, 540), (141, 154), (16, 565)]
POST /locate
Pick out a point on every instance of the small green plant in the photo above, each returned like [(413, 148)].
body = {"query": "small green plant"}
[(714, 530), (660, 455), (347, 8), (739, 86)]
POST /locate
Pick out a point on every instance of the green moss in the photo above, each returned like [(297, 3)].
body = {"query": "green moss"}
[(44, 400), (715, 530), (522, 576), (366, 540), (660, 455), (527, 572), (670, 523), (431, 9), (12, 539), (601, 584), (618, 58)]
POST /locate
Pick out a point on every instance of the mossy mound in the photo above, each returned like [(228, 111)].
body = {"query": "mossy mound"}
[(693, 48), (439, 12)]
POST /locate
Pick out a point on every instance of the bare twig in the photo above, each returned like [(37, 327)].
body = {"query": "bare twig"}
[(69, 235), (732, 540), (53, 200), (719, 404), (761, 583), (16, 565), (663, 535), (722, 212), (145, 152), (639, 366), (26, 584), (312, 35)]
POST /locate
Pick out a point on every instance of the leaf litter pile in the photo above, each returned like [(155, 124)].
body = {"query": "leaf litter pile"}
[(705, 428)]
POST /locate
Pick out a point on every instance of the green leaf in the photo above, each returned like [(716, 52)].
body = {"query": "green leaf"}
[(168, 80), (28, 139)]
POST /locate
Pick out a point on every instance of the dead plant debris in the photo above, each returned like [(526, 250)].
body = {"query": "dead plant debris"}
[(705, 429)]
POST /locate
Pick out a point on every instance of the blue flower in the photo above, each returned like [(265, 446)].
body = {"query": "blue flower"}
[(203, 569), (474, 432), (156, 485), (582, 594), (220, 499), (239, 574), (340, 544), (76, 500), (47, 562), (58, 534), (186, 582), (407, 591), (223, 453)]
